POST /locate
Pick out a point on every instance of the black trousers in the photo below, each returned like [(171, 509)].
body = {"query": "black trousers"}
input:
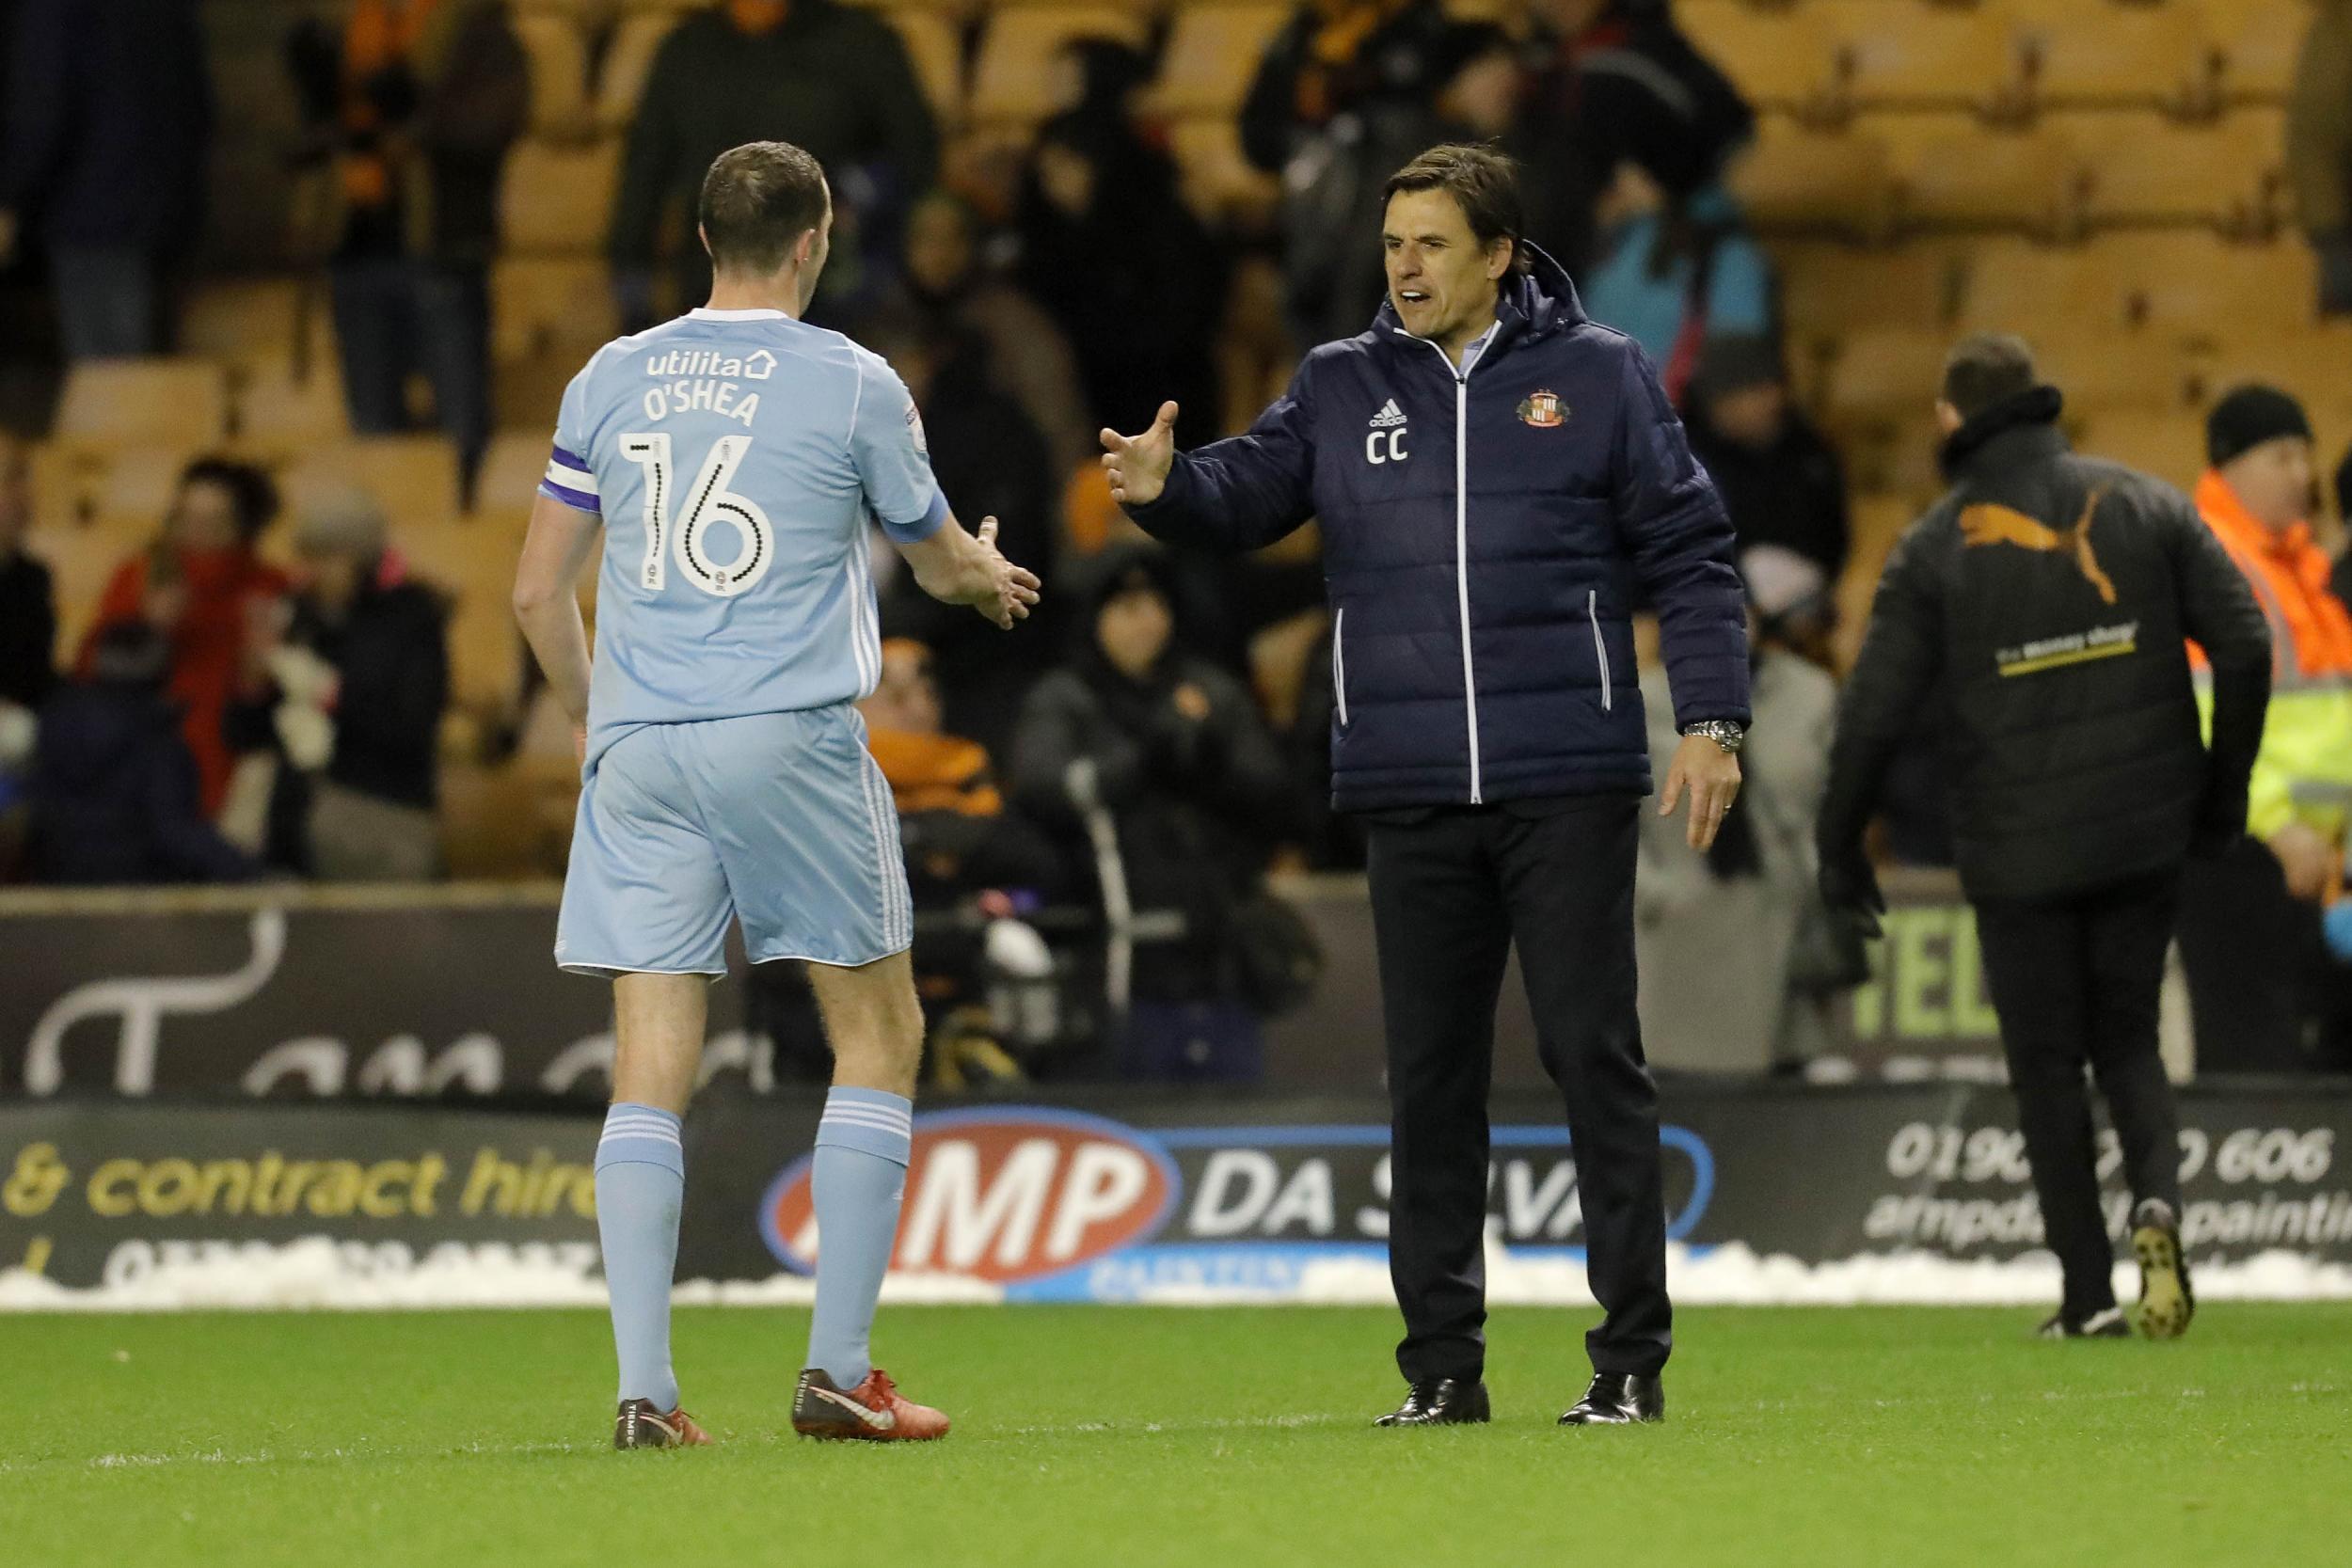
[(2076, 981), (1450, 890)]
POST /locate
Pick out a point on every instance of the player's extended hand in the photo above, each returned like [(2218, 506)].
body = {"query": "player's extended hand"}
[(1138, 465), (1711, 777), (1004, 592)]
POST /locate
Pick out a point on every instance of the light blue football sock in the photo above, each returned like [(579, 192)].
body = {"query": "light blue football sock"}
[(860, 1174), (641, 1182)]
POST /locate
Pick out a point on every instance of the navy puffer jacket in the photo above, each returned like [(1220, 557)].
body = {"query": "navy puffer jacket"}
[(1487, 539)]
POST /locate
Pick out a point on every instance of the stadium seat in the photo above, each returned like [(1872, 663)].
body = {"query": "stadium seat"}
[(551, 305), (181, 402), (95, 503), (1212, 55), (628, 61), (2021, 286), (558, 198), (245, 321), (2141, 169), (1783, 60), (2258, 41), (471, 561), (2101, 369), (935, 48), (1885, 372), (1013, 80), (413, 476), (279, 410), (2091, 53), (2307, 361), (1961, 176), (1919, 57), (1826, 289), (2196, 285), (1796, 178), (2168, 443), (559, 71), (1219, 182)]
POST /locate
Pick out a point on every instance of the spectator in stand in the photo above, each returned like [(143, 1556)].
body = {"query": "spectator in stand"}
[(1028, 358), (1781, 481), (114, 790), (828, 77), (2319, 149), (2250, 933), (28, 635), (991, 458), (1674, 274), (1109, 248), (29, 612), (420, 102), (1198, 795), (1735, 935), (1623, 85), (352, 706), (104, 123), (233, 596), (1345, 95)]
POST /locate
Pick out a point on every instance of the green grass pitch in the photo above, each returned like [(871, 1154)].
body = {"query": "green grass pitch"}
[(1120, 1437)]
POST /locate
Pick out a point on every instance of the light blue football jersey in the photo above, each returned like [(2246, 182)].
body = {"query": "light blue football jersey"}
[(735, 457)]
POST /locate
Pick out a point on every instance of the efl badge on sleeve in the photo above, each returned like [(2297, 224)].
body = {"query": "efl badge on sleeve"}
[(1543, 411)]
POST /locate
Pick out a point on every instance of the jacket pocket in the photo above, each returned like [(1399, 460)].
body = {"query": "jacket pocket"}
[(1338, 664), (1600, 648)]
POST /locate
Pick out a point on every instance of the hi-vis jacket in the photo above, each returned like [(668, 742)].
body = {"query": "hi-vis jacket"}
[(2304, 771), (1488, 534)]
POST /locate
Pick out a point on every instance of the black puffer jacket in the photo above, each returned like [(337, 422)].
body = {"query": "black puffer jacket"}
[(2049, 596)]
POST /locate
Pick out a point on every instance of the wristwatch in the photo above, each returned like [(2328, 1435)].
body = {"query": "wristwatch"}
[(1723, 732)]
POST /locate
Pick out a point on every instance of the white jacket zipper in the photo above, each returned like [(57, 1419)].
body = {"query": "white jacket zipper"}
[(1461, 555), (1600, 649), (1338, 663)]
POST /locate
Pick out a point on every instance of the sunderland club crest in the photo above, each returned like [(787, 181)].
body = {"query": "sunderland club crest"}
[(1543, 411)]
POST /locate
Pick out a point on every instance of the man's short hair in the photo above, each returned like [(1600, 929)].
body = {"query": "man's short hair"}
[(1484, 183), (1986, 368), (756, 203)]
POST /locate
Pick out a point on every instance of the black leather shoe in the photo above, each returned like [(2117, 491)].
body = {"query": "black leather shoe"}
[(1444, 1402), (1619, 1398)]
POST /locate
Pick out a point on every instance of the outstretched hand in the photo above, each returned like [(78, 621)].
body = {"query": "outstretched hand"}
[(1003, 591), (1711, 777), (1138, 465)]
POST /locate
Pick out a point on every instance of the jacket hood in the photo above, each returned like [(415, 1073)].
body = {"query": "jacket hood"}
[(1105, 575), (2034, 411), (1533, 303)]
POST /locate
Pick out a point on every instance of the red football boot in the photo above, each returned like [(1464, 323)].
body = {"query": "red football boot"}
[(873, 1412), (638, 1425)]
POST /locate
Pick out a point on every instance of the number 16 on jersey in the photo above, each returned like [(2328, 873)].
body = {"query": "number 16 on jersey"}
[(684, 534)]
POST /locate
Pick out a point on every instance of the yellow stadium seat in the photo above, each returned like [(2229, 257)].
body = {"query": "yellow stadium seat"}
[(246, 320), (2258, 41), (2193, 284), (2140, 168), (414, 478), (95, 505), (2022, 286), (551, 305), (2168, 443), (1013, 80), (279, 409), (1916, 56), (181, 402), (1211, 56), (558, 196), (1963, 176), (1886, 373), (510, 470), (2102, 369), (628, 61), (471, 561), (1795, 177), (1218, 182), (559, 70), (935, 48), (2093, 54), (1782, 59), (2307, 361), (1826, 289)]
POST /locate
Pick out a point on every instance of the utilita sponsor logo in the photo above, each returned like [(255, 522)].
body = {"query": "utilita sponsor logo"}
[(1002, 1195)]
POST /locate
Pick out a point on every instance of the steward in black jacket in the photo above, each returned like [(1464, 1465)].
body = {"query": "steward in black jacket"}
[(2053, 596), (2045, 604)]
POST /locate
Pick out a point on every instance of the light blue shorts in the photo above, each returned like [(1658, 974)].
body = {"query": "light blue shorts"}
[(779, 820)]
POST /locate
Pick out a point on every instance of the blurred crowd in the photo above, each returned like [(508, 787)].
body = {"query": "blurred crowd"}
[(239, 709)]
